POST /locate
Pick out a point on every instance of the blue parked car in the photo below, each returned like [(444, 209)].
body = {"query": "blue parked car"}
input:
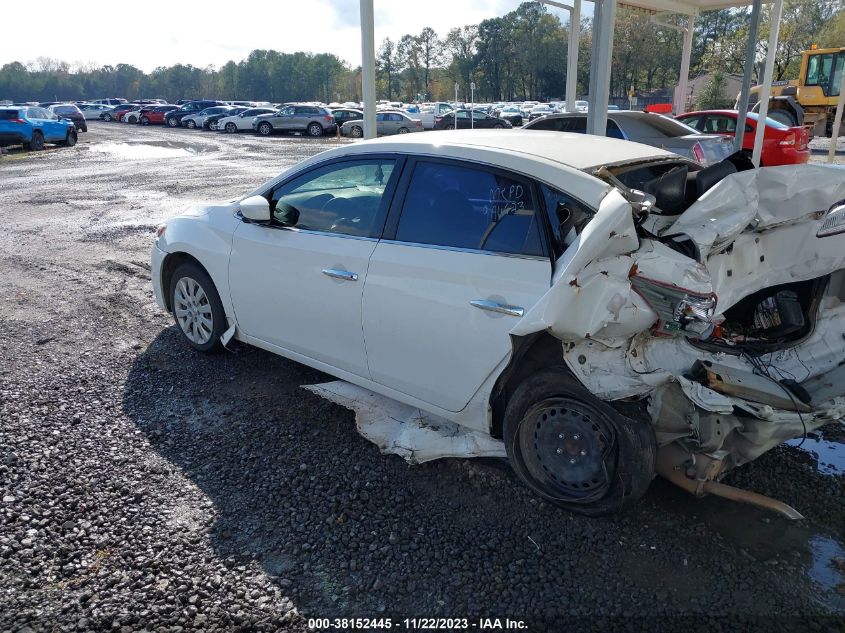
[(33, 126)]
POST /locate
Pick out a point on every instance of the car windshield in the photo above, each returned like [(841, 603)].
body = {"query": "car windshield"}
[(769, 122)]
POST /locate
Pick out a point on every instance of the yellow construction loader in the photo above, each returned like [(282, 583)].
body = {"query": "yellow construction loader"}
[(811, 99)]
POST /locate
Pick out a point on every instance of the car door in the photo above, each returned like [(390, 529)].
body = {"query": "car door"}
[(462, 259), (381, 124), (54, 129), (297, 285), (284, 119)]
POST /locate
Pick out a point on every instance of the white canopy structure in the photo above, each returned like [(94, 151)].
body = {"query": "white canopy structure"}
[(604, 23)]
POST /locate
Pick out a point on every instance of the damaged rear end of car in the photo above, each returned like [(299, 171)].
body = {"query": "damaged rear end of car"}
[(708, 304)]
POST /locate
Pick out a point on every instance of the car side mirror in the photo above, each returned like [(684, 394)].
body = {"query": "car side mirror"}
[(286, 215), (255, 208)]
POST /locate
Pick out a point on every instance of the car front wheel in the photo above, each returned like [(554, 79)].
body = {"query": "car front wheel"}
[(196, 307), (70, 139), (575, 450), (357, 132), (231, 128), (191, 124), (172, 122), (107, 117), (265, 129), (145, 120)]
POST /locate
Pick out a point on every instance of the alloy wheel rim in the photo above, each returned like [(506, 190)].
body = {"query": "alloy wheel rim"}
[(193, 311)]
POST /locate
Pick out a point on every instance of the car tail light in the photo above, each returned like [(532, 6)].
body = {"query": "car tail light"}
[(788, 140), (698, 152), (16, 121), (329, 118)]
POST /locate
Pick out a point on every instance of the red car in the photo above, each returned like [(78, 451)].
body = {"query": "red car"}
[(782, 145), (154, 114)]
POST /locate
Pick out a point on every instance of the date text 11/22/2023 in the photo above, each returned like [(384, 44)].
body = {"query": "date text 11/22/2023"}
[(416, 624)]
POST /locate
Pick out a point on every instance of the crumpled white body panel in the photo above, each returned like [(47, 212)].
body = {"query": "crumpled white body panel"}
[(415, 435), (760, 199)]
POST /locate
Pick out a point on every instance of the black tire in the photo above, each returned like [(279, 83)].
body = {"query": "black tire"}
[(71, 138), (173, 122), (107, 117), (192, 271), (145, 120), (212, 126), (37, 142), (574, 450), (231, 128), (498, 126), (357, 131), (315, 129), (191, 124), (265, 129), (403, 130), (783, 116), (450, 127)]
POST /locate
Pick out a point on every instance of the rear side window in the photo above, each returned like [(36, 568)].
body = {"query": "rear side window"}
[(65, 110), (567, 216), (6, 115), (472, 208)]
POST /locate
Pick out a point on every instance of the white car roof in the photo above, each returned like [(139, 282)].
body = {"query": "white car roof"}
[(578, 151)]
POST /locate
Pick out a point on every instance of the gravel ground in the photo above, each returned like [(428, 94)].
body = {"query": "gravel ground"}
[(146, 487)]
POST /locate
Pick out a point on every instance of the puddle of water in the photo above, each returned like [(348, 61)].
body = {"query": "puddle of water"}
[(150, 150), (767, 537), (830, 456)]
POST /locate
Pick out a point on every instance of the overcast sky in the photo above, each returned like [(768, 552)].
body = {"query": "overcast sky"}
[(165, 32)]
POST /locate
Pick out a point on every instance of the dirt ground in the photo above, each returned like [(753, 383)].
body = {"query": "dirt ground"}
[(146, 487)]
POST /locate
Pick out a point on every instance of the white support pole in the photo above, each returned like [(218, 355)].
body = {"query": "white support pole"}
[(572, 51), (686, 55), (768, 73), (572, 56), (368, 67), (604, 24), (745, 92), (837, 120)]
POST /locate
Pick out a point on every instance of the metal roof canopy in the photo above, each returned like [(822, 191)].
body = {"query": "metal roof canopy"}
[(604, 24)]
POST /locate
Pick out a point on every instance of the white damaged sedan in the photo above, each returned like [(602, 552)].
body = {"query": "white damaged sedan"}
[(606, 309)]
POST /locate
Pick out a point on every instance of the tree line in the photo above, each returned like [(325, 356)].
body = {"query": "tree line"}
[(520, 55)]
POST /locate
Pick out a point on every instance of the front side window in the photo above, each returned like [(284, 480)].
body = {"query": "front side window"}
[(463, 114), (836, 83), (818, 70), (344, 198), (471, 208)]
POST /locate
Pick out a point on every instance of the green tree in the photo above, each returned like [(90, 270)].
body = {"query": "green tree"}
[(712, 96)]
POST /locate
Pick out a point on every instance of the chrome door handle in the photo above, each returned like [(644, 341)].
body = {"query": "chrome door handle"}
[(501, 308), (345, 275)]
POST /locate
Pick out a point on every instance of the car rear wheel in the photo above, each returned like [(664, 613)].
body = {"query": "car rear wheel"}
[(71, 138), (403, 130), (145, 120), (107, 117), (265, 129), (191, 124), (315, 129), (357, 131), (196, 307), (450, 127), (231, 128), (498, 126), (213, 126), (37, 142), (172, 122), (574, 450)]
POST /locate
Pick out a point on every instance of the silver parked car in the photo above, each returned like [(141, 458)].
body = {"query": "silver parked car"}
[(387, 123), (312, 119), (650, 129)]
